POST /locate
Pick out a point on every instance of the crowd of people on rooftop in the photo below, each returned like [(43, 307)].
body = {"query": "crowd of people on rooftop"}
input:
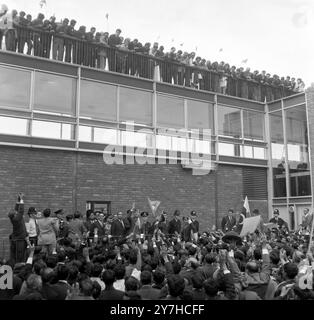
[(62, 41), (138, 256)]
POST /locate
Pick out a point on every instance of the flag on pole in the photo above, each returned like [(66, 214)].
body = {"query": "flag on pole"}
[(245, 61), (42, 3), (107, 16), (153, 205), (221, 49), (181, 44), (246, 207)]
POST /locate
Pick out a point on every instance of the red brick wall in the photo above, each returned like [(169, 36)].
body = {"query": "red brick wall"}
[(48, 179)]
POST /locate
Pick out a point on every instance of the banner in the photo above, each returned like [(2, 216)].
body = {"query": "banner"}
[(246, 206), (250, 225), (153, 205)]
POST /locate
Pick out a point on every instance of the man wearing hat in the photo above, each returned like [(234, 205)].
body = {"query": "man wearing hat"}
[(228, 221), (146, 226), (280, 222), (32, 226), (174, 228), (194, 225), (62, 225)]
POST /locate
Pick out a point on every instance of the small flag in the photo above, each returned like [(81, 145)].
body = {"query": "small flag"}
[(181, 44), (196, 49), (221, 49), (153, 205), (246, 206), (42, 3), (245, 60), (107, 16)]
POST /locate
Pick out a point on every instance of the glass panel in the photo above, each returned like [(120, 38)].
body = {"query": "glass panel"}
[(298, 151), (54, 93), (163, 142), (170, 112), (254, 125), (85, 134), (135, 105), (108, 136), (229, 122), (259, 153), (136, 139), (278, 154), (247, 151), (52, 130), (226, 149), (98, 100), (15, 88), (200, 115), (13, 126)]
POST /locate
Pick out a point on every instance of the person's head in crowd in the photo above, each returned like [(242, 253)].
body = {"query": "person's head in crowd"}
[(256, 212), (211, 288), (86, 287), (51, 261), (144, 216), (276, 213), (187, 295), (38, 266), (69, 217), (29, 17), (96, 290), (52, 19), (90, 215), (119, 271), (22, 14), (62, 272), (193, 215), (77, 215), (73, 274), (131, 284), (32, 212), (176, 214), (92, 30), (47, 213), (290, 271), (96, 270), (72, 23), (46, 275), (118, 32), (158, 277), (34, 283), (176, 285), (146, 278), (230, 212), (176, 266), (120, 215), (108, 277), (59, 213), (65, 21), (197, 281), (101, 217), (192, 55)]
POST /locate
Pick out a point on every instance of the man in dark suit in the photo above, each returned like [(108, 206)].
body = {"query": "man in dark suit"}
[(62, 286), (118, 228), (100, 225), (19, 234), (147, 292), (174, 227), (110, 293), (228, 221), (146, 227), (280, 222)]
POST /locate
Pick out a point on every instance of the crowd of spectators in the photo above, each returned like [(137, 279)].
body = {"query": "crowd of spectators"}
[(133, 257), (62, 41)]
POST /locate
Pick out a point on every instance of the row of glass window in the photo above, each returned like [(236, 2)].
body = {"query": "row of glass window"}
[(57, 94), (142, 139)]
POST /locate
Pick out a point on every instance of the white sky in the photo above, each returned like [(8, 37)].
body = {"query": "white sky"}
[(275, 35)]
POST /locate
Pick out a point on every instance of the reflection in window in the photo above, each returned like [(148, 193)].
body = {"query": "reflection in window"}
[(13, 126), (15, 88), (52, 130), (229, 122), (253, 125), (298, 154), (54, 93), (200, 115), (85, 133), (170, 112), (98, 101), (107, 136), (278, 154), (135, 105)]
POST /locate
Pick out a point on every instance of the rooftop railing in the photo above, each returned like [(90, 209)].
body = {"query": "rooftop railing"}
[(92, 54)]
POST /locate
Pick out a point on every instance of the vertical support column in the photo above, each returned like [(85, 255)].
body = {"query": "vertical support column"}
[(32, 98), (270, 186), (154, 116), (217, 159), (76, 137), (309, 105), (286, 155)]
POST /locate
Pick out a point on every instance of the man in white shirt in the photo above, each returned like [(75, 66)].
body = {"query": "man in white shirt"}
[(32, 227)]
